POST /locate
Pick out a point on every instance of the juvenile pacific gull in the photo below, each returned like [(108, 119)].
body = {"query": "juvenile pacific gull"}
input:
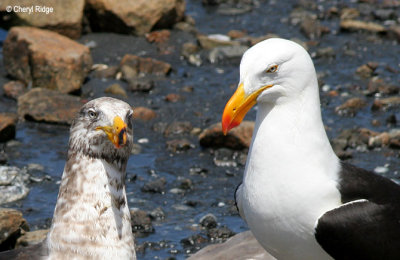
[(299, 200), (91, 218)]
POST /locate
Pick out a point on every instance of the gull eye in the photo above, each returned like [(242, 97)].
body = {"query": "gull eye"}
[(92, 114), (272, 69)]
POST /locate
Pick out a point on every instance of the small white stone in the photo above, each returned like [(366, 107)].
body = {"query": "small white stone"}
[(143, 141)]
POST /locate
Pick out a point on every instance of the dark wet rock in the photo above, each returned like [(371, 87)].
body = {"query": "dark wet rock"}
[(208, 221), (186, 184), (155, 186), (378, 85), (385, 14), (31, 238), (219, 234), (194, 241), (144, 113), (46, 59), (391, 120), (141, 222), (12, 224), (178, 128), (48, 106), (64, 17), (226, 53), (133, 17), (13, 184), (394, 32), (351, 106), (8, 122), (3, 157), (357, 25), (385, 103), (13, 89), (224, 157), (238, 138), (105, 72), (160, 36), (173, 97), (157, 214), (367, 70), (116, 89), (133, 66), (211, 41), (179, 145), (312, 28), (140, 84), (327, 52), (241, 246)]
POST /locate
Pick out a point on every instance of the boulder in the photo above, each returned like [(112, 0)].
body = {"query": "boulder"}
[(45, 58), (133, 66), (133, 17), (241, 246), (31, 238), (13, 184), (14, 88), (237, 138), (11, 225), (8, 122), (64, 17), (48, 106)]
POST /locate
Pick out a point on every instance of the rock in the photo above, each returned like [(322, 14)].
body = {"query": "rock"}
[(327, 52), (179, 145), (312, 28), (140, 84), (13, 184), (385, 14), (141, 222), (133, 66), (64, 17), (157, 214), (378, 85), (178, 128), (394, 32), (238, 138), (173, 97), (144, 113), (193, 242), (356, 25), (160, 36), (211, 41), (8, 122), (219, 234), (367, 70), (46, 59), (351, 106), (12, 224), (116, 89), (236, 34), (137, 17), (349, 13), (186, 184), (13, 89), (31, 238), (155, 186), (241, 247), (226, 52), (391, 139), (105, 72), (190, 52), (385, 103), (209, 221), (48, 106)]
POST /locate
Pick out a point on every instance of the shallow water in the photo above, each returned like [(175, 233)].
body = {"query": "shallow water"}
[(213, 84)]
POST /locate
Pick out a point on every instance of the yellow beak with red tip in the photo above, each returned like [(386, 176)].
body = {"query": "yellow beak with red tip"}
[(116, 133), (238, 106)]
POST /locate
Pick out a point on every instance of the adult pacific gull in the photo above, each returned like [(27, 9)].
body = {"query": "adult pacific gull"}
[(299, 200), (91, 218)]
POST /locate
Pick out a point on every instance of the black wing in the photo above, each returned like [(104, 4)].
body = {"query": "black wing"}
[(367, 226)]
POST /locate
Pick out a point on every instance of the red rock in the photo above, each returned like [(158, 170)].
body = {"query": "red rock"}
[(133, 66), (48, 106), (144, 113), (64, 18), (238, 138), (173, 98), (8, 124), (13, 89), (11, 225), (138, 17), (46, 58), (158, 36), (351, 106)]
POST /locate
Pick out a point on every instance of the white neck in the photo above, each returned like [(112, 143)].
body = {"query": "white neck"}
[(91, 218)]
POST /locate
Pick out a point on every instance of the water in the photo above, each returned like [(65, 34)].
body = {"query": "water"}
[(213, 84)]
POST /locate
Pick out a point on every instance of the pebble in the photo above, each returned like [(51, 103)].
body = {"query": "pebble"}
[(143, 141), (155, 186), (116, 89), (381, 169), (141, 222), (208, 221)]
